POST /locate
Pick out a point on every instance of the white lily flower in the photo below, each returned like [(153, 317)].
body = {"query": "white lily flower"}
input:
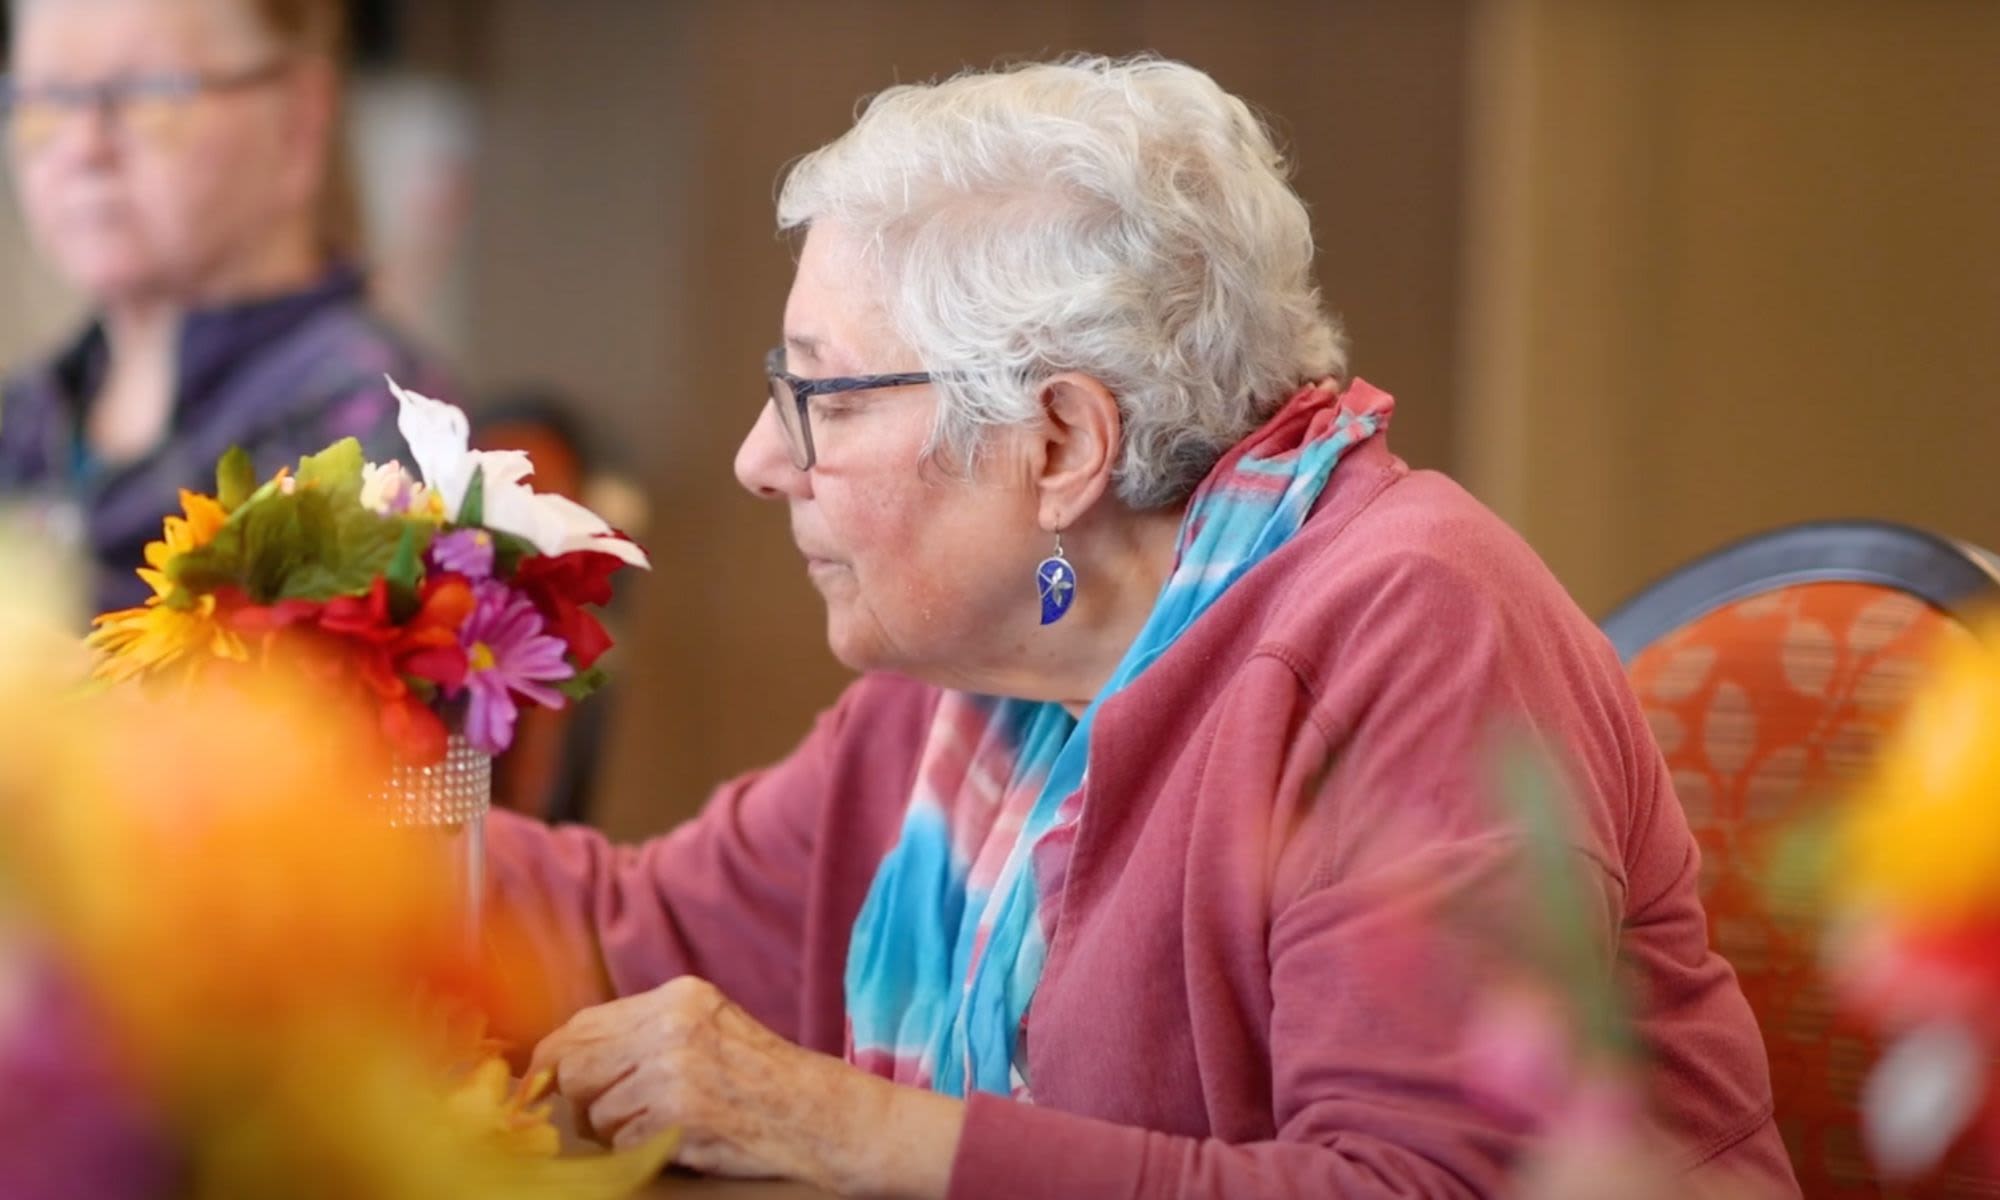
[(555, 524), (440, 441)]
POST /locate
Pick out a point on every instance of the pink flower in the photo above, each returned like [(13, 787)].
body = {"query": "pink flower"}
[(508, 652), (466, 551), (388, 489)]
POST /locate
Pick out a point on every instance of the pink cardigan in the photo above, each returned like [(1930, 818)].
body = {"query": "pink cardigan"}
[(1257, 986)]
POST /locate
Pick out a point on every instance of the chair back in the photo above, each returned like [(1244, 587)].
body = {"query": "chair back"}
[(1770, 672)]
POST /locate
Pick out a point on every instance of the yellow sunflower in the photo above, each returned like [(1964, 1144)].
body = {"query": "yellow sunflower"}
[(182, 533), (138, 641)]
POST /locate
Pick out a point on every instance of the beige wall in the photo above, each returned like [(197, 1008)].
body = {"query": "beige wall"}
[(1730, 265), (36, 311)]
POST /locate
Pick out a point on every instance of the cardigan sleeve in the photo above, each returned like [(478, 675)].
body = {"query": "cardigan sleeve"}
[(579, 920)]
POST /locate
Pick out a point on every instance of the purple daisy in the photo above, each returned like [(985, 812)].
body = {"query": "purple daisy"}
[(466, 551), (508, 652)]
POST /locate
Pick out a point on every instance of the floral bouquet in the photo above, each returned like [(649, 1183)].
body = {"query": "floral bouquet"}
[(1914, 876), (318, 636), (441, 601), (216, 980)]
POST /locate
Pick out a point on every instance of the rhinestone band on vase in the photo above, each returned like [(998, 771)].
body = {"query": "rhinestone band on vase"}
[(447, 803), (452, 792)]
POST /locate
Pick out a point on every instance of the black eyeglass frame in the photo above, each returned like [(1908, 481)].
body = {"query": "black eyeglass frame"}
[(110, 96), (801, 390)]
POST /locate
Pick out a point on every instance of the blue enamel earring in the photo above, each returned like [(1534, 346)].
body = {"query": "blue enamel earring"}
[(1056, 580)]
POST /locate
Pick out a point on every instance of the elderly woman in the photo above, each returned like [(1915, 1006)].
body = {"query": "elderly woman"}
[(176, 163), (1153, 853)]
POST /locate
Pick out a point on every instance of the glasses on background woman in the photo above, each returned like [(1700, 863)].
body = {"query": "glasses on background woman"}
[(151, 108)]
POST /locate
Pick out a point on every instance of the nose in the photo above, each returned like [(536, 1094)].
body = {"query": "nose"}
[(764, 462), (101, 127)]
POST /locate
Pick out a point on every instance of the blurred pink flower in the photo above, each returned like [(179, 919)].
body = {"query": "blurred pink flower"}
[(71, 1122), (1520, 1063)]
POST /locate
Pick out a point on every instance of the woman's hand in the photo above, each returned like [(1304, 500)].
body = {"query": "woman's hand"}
[(747, 1101)]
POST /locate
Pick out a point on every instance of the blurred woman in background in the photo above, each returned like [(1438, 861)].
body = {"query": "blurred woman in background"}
[(177, 163)]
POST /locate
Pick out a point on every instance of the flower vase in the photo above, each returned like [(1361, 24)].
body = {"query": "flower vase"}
[(447, 802)]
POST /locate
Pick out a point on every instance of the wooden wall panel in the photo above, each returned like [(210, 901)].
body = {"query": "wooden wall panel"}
[(1730, 265)]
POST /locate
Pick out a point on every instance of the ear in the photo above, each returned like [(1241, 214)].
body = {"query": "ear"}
[(1081, 437)]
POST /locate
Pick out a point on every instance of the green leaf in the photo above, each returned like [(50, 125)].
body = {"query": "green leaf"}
[(235, 479), (473, 510), (259, 546), (508, 551), (335, 470), (349, 547), (265, 490), (583, 683), (405, 573), (243, 542), (306, 544)]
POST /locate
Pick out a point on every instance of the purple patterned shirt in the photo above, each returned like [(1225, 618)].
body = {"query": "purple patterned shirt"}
[(282, 377)]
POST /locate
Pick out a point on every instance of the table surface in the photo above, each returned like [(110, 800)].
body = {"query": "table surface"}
[(691, 1188)]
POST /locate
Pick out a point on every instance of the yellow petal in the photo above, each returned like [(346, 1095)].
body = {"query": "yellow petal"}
[(610, 1176), (205, 518), (1923, 837)]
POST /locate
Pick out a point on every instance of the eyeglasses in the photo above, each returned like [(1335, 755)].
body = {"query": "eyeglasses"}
[(789, 394), (142, 106)]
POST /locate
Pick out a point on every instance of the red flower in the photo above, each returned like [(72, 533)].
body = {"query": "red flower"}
[(354, 641), (560, 585), (1903, 974), (414, 730), (256, 620), (425, 647)]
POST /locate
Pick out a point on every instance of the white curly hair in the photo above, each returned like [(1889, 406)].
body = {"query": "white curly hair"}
[(1127, 219)]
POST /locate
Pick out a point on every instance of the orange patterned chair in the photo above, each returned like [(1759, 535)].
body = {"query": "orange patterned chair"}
[(1770, 670)]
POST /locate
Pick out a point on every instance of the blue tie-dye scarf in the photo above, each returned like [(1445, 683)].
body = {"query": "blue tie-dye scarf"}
[(951, 941)]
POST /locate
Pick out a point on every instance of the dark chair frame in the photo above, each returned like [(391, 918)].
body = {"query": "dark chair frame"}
[(1954, 577)]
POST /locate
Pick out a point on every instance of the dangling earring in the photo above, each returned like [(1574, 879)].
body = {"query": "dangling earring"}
[(1056, 579)]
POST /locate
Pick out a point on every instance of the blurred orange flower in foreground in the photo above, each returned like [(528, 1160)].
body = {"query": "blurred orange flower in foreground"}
[(1914, 874), (264, 959)]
